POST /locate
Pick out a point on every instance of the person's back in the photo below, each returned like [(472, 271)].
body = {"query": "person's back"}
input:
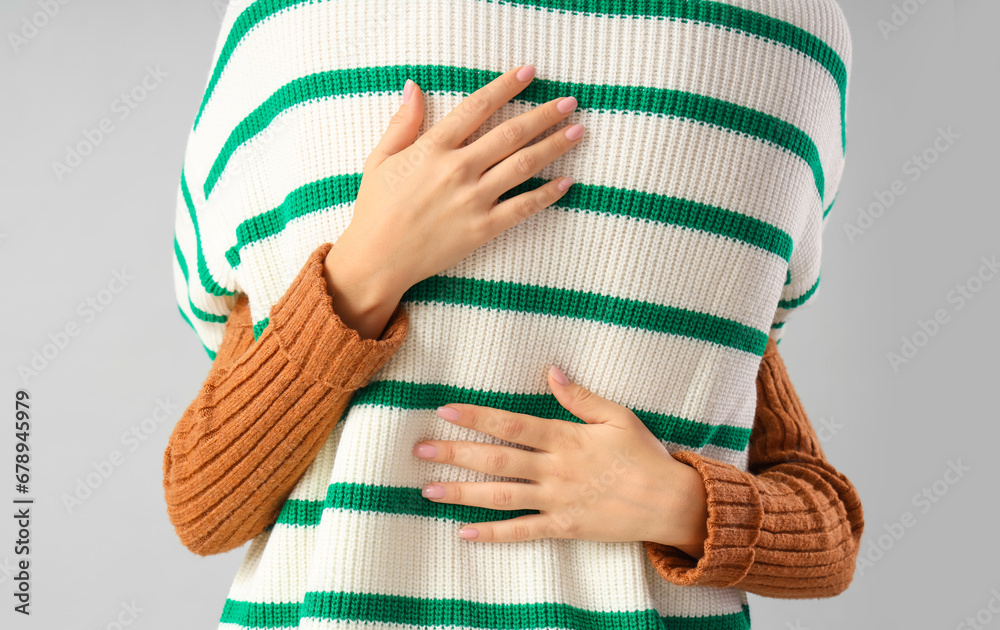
[(713, 150)]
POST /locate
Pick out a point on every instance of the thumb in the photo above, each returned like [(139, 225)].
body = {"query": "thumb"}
[(403, 126), (580, 401)]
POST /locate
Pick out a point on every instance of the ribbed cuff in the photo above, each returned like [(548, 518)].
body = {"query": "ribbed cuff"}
[(313, 336), (735, 515)]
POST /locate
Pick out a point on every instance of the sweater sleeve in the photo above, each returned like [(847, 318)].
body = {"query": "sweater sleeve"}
[(790, 527), (265, 410)]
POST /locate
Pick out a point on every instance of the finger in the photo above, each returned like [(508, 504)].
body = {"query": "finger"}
[(506, 215), (581, 402), (402, 129), (520, 529), (513, 134), (495, 495), (543, 434), (527, 162), (493, 459), (458, 124)]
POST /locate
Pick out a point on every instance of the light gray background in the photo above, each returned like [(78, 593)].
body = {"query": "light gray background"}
[(892, 433)]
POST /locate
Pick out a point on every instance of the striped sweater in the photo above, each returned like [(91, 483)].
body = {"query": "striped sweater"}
[(703, 183)]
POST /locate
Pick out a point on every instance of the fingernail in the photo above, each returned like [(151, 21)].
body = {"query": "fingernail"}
[(408, 90), (558, 375), (448, 413), (565, 183), (568, 104), (425, 451), (526, 73), (468, 532), (574, 132), (433, 492)]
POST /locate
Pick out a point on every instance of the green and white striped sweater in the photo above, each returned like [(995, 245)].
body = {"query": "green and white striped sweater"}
[(715, 145)]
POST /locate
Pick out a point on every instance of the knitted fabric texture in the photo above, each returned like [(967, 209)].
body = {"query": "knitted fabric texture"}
[(800, 518), (714, 149)]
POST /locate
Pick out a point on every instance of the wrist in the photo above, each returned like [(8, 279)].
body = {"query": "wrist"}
[(684, 510), (363, 292)]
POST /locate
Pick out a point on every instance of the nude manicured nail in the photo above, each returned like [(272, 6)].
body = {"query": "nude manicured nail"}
[(526, 73), (566, 105), (574, 132)]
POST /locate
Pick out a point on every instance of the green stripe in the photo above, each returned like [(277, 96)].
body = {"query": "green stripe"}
[(430, 396), (524, 298), (617, 311), (343, 189), (830, 207), (685, 105), (200, 314), (207, 281), (211, 354), (802, 298), (425, 612), (258, 328), (715, 13)]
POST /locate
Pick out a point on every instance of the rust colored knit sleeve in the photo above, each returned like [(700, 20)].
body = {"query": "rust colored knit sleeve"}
[(265, 410), (790, 527)]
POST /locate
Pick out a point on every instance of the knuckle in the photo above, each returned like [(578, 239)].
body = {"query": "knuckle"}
[(502, 497), (510, 428), (569, 440), (497, 460), (519, 531), (524, 163), (512, 132), (528, 206), (583, 395), (435, 136), (447, 452), (567, 530), (476, 103)]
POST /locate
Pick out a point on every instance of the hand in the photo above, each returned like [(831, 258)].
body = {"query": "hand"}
[(424, 206), (608, 480)]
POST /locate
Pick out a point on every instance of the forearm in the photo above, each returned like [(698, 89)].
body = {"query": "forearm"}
[(264, 412)]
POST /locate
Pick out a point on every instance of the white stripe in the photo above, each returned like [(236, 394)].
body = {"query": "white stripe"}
[(334, 137), (731, 65), (618, 576), (651, 263), (668, 374)]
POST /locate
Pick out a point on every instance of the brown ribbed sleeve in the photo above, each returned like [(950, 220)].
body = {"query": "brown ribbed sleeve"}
[(791, 526), (265, 410)]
